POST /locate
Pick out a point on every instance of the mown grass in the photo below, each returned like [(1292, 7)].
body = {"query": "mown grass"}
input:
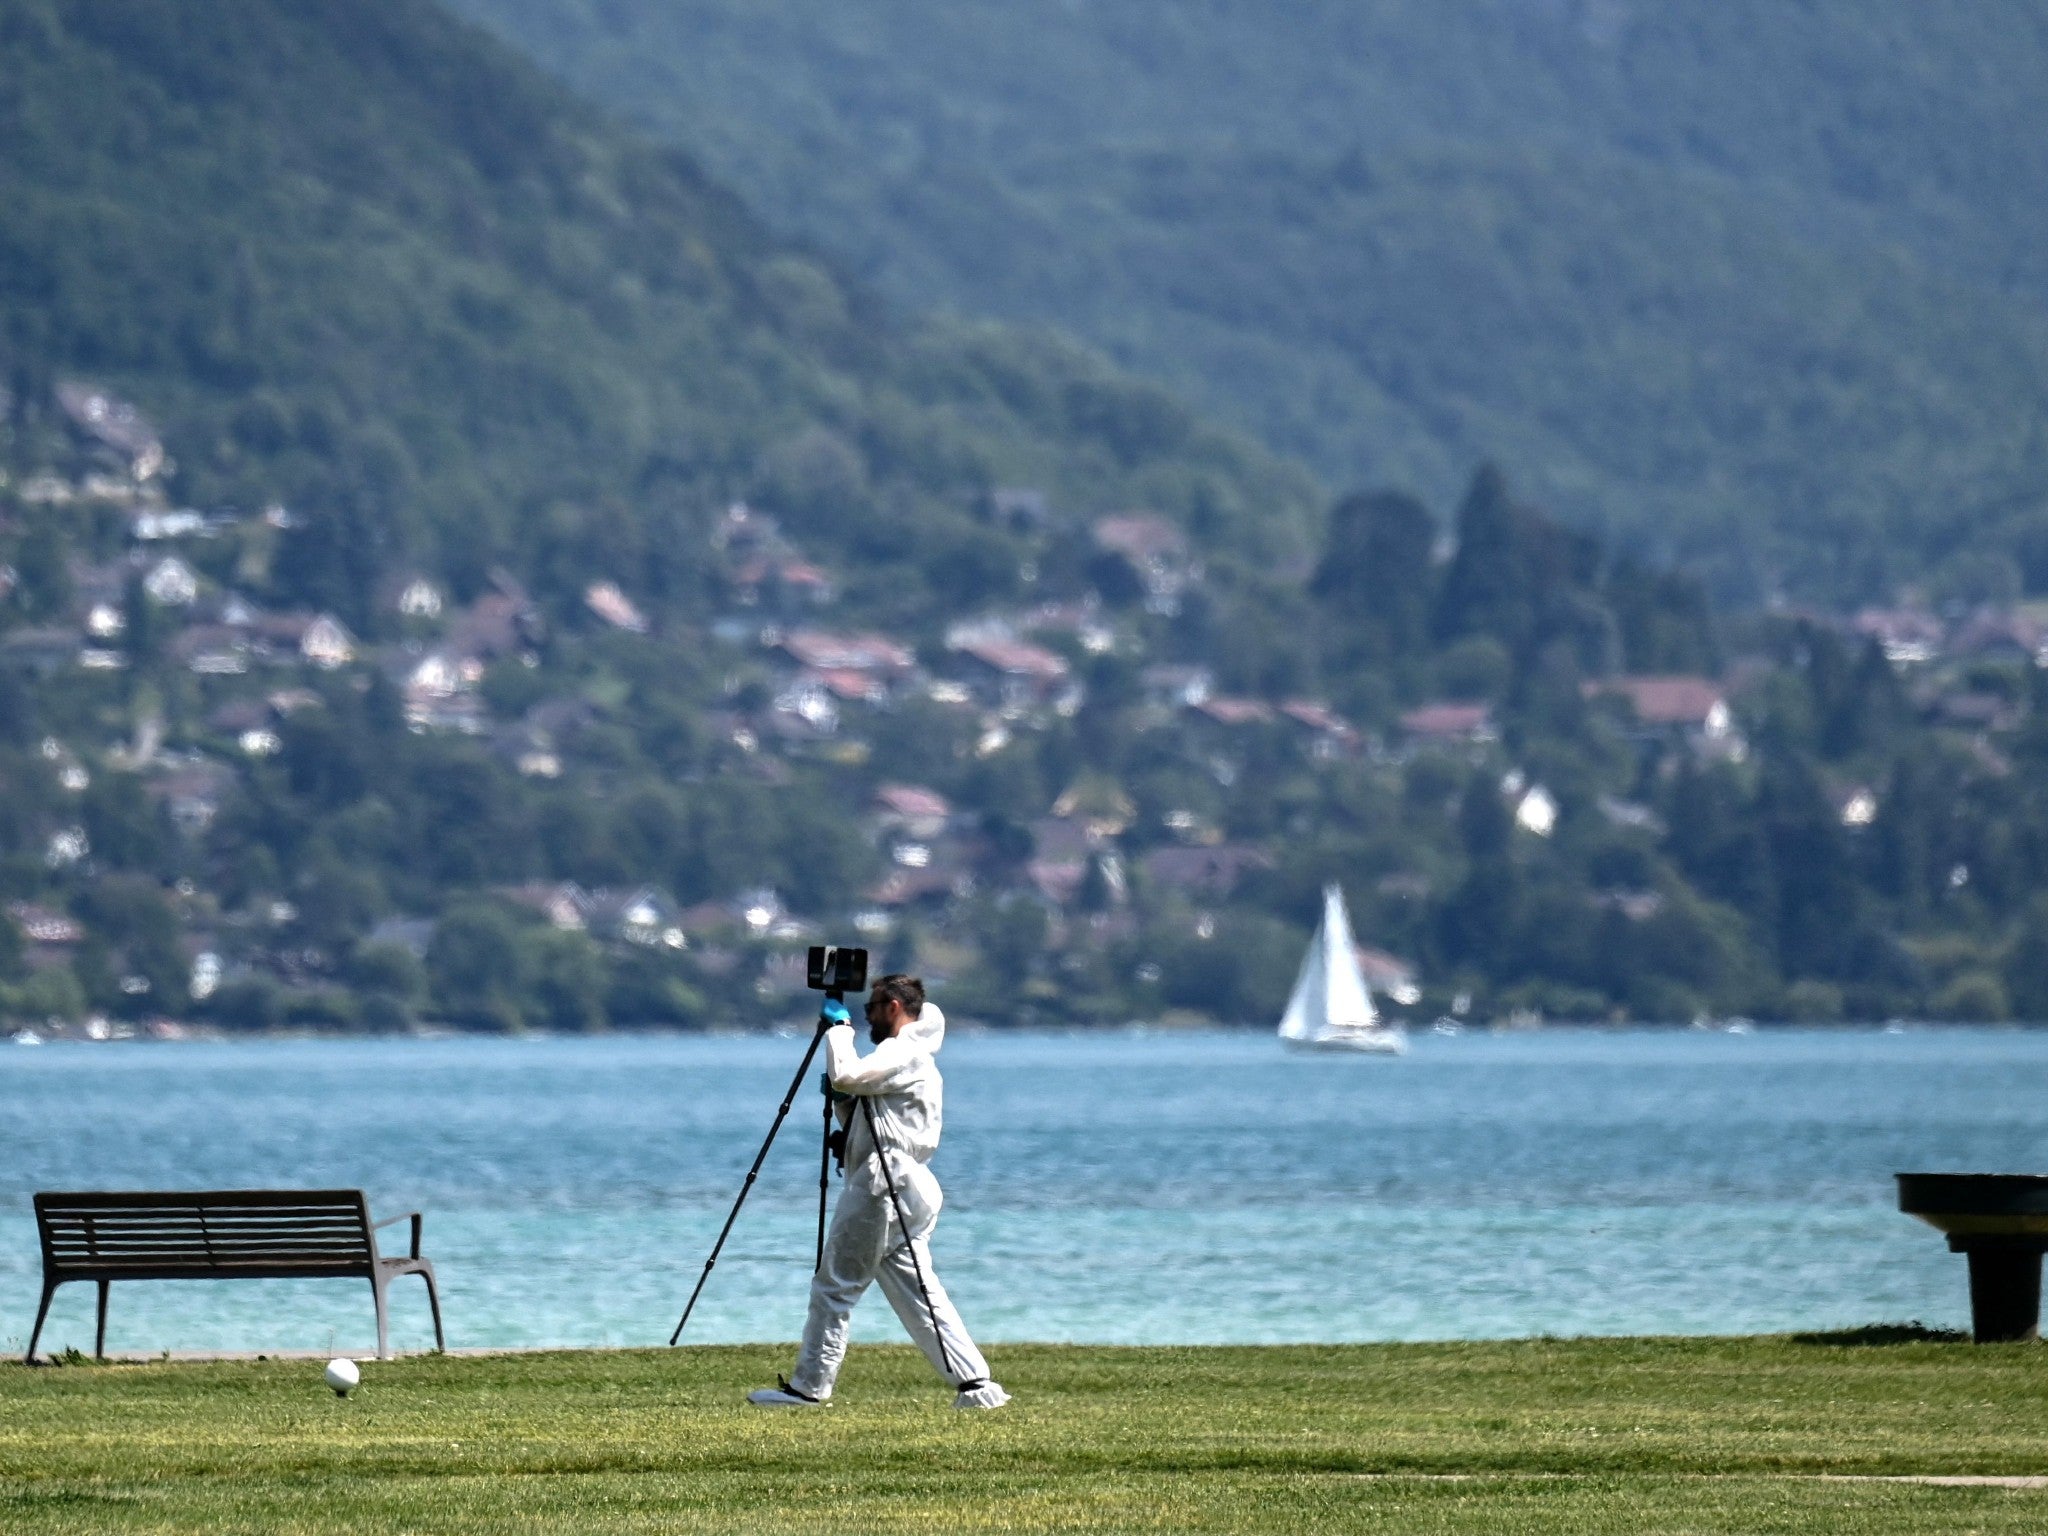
[(1584, 1436)]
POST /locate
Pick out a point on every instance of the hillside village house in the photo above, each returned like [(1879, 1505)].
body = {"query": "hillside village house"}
[(1993, 635), (804, 707), (645, 916), (1156, 552), (1204, 874), (604, 599), (1232, 713), (1388, 975), (822, 651), (1693, 708), (1908, 636), (419, 598), (326, 644), (214, 650), (154, 524), (912, 810), (40, 925), (1974, 710), (104, 621), (192, 791), (1442, 725), (533, 744), (114, 422), (850, 687), (767, 572), (1330, 735), (1011, 675), (439, 693), (561, 902), (781, 585), (497, 624), (172, 583), (1535, 808), (1083, 620)]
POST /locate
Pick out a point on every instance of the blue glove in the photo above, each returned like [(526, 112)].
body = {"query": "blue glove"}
[(834, 1012)]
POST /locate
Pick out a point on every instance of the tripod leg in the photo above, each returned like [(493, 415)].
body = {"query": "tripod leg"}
[(903, 1225), (824, 1182), (753, 1173)]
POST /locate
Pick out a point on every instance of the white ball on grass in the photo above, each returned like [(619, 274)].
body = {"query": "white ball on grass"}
[(344, 1376)]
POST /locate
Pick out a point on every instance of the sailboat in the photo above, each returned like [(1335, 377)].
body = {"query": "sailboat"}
[(1331, 1009)]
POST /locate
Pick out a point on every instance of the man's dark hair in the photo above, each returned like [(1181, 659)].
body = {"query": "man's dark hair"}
[(907, 990)]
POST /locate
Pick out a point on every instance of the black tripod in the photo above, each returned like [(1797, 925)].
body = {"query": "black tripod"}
[(817, 1035)]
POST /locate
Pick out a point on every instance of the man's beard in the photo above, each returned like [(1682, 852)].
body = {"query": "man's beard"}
[(877, 1033)]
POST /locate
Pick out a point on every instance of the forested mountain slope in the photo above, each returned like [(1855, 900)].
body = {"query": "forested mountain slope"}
[(1762, 285), (365, 259)]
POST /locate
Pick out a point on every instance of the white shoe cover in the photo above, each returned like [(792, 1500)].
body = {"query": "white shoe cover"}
[(987, 1395), (781, 1397)]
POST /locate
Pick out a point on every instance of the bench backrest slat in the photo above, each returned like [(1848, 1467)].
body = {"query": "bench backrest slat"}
[(205, 1231)]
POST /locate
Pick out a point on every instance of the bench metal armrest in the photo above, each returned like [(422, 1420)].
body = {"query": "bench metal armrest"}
[(412, 1216)]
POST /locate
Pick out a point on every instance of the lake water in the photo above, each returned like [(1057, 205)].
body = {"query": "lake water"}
[(1123, 1187)]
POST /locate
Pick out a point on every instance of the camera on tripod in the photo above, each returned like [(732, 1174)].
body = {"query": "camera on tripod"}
[(837, 969)]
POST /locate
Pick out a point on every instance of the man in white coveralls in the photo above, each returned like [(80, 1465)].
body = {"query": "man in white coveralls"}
[(898, 1082)]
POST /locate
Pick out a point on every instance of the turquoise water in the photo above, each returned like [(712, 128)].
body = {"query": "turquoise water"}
[(1124, 1187)]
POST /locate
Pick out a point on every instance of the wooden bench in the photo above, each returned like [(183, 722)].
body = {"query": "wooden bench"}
[(222, 1234)]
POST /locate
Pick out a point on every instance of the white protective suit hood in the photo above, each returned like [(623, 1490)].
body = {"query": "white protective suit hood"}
[(928, 1030)]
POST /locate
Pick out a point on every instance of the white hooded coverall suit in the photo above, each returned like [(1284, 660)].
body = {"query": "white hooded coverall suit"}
[(866, 1242)]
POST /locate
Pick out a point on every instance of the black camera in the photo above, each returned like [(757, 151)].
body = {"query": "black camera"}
[(837, 969)]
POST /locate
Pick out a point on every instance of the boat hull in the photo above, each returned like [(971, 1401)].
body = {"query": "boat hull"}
[(1361, 1042)]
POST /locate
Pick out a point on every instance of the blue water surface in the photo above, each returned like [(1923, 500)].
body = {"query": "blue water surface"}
[(1125, 1187)]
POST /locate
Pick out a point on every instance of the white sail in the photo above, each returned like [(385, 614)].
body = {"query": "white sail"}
[(1330, 997), (1303, 1019)]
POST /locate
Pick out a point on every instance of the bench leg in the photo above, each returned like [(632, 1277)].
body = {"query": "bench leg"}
[(99, 1336), (434, 1301), (42, 1311), (383, 1321)]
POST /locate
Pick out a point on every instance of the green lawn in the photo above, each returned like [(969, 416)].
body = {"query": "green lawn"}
[(1624, 1435)]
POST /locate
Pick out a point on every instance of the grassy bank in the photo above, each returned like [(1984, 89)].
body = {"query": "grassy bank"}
[(1539, 1436)]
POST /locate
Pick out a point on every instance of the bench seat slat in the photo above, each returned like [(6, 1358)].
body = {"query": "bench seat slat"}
[(194, 1250), (207, 1240), (82, 1199), (201, 1233), (197, 1215), (273, 1224), (82, 1228), (228, 1272), (115, 1250), (114, 1243)]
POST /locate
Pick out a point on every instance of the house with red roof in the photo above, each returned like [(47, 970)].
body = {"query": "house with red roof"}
[(1011, 674), (1694, 708), (1448, 724)]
